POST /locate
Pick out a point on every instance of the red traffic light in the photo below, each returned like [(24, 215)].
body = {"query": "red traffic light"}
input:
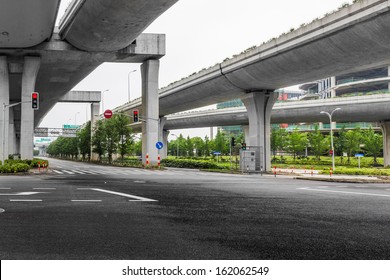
[(135, 116), (35, 100), (107, 114)]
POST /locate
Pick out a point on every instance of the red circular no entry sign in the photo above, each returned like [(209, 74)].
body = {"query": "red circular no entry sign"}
[(107, 114)]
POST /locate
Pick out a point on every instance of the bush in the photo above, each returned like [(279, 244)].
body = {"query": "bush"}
[(189, 163), (14, 167)]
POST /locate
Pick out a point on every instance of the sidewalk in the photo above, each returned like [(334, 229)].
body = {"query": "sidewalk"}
[(304, 174)]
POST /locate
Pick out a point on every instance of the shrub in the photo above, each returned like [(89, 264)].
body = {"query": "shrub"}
[(189, 163)]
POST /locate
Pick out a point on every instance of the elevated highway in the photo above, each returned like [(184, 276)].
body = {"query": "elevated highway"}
[(372, 108), (352, 39), (37, 56)]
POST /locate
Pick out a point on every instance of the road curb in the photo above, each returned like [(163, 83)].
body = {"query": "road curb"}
[(344, 180)]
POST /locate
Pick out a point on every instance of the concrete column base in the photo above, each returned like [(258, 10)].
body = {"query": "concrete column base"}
[(150, 111), (385, 125), (30, 72), (259, 106)]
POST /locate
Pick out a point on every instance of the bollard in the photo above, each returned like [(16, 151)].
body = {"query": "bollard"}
[(158, 161), (275, 171), (312, 171), (305, 169), (292, 170), (147, 160), (39, 166), (331, 171)]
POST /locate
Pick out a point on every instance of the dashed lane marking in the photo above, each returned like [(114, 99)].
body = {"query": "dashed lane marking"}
[(2, 210), (58, 172), (44, 188), (86, 200), (25, 200)]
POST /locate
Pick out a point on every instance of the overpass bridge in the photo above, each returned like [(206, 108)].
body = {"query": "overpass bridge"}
[(37, 56), (369, 108), (352, 39)]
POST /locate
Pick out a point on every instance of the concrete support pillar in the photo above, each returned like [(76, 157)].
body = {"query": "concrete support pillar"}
[(211, 133), (388, 74), (163, 137), (259, 106), (385, 125), (95, 107), (30, 72), (4, 114), (332, 87), (150, 110), (11, 134), (245, 129)]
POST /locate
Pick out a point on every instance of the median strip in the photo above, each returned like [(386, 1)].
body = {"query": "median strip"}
[(343, 192)]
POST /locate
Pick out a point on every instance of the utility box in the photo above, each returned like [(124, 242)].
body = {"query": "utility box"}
[(251, 160)]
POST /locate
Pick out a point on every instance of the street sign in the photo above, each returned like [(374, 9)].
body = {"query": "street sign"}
[(359, 155), (159, 145), (216, 153), (107, 114)]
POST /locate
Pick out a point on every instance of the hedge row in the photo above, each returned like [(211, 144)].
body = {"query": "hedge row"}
[(360, 171), (15, 166), (189, 163)]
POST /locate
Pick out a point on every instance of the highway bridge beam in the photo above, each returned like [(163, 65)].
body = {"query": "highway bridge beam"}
[(259, 106), (30, 71), (150, 110), (4, 99)]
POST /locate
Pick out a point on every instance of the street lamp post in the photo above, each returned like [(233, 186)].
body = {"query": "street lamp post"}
[(331, 132), (177, 144), (128, 83)]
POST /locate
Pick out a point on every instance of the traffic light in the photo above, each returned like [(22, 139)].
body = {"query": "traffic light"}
[(35, 100), (243, 146), (233, 142), (135, 116)]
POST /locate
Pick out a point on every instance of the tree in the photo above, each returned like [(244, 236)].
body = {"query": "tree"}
[(198, 146), (220, 143), (189, 146), (278, 140), (206, 146), (111, 137), (121, 123), (318, 142), (297, 142), (373, 143), (99, 139), (352, 142), (84, 141)]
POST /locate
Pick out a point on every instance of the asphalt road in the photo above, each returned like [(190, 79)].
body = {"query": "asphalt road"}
[(81, 211)]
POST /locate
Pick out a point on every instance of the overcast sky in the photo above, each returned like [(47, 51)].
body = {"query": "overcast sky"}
[(199, 34)]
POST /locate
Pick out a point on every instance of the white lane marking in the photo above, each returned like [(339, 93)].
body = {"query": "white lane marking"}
[(58, 172), (86, 200), (89, 172), (354, 193), (135, 198), (78, 172), (44, 188), (2, 210), (140, 182), (66, 171), (25, 200), (21, 193)]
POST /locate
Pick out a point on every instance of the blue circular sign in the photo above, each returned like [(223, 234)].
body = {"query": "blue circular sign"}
[(159, 145)]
